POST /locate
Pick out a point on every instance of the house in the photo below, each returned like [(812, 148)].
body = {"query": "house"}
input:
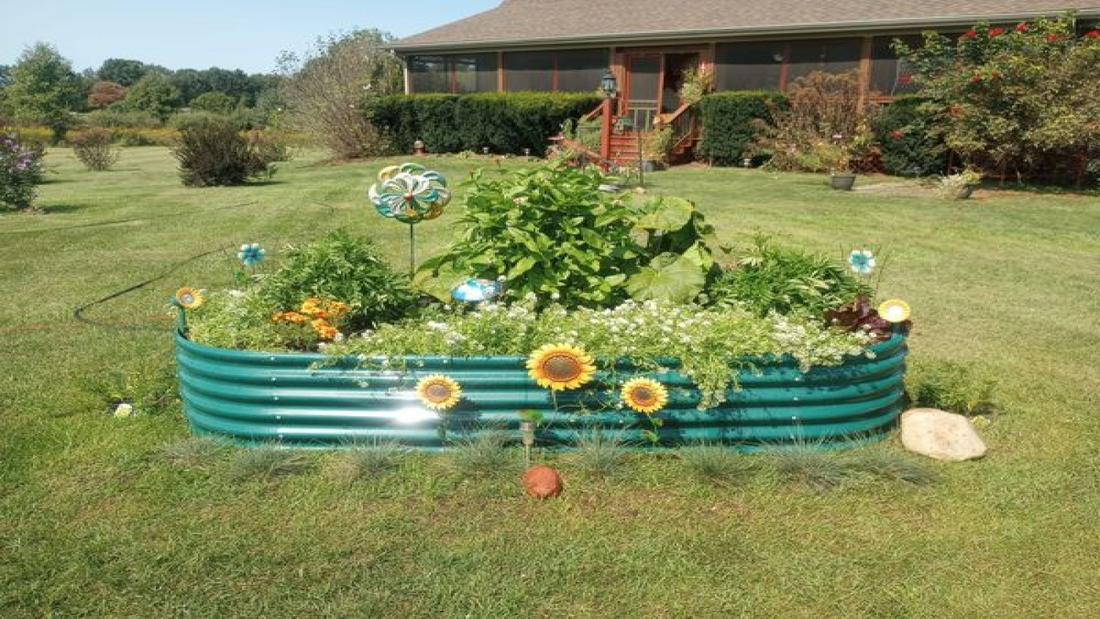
[(568, 45)]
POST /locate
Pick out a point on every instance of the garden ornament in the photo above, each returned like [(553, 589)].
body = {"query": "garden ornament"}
[(410, 194)]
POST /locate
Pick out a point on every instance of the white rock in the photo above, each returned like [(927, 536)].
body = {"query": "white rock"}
[(940, 435)]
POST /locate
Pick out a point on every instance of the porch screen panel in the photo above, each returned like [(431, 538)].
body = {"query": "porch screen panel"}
[(749, 66), (580, 70), (475, 73), (428, 74), (889, 76), (529, 71), (829, 55)]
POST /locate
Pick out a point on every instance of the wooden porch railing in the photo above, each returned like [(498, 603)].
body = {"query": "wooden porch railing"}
[(685, 127)]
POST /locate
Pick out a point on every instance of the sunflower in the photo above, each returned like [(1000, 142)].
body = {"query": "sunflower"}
[(644, 395), (188, 298), (560, 367), (439, 392), (894, 310)]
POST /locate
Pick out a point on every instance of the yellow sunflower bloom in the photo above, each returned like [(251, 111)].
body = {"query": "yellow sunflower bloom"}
[(439, 392), (894, 310), (644, 395), (189, 298), (560, 367)]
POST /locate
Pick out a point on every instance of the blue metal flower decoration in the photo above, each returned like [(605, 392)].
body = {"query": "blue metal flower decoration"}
[(476, 290), (410, 193), (251, 253), (862, 261)]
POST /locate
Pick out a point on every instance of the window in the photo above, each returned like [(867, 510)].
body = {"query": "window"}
[(453, 74), (577, 70), (829, 55), (749, 66), (888, 74)]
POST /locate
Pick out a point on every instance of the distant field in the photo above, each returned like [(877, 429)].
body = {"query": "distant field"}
[(95, 522)]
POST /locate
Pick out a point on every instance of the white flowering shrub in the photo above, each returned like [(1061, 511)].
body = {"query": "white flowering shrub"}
[(711, 345)]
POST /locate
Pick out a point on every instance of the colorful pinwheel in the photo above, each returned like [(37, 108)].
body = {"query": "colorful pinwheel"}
[(409, 193)]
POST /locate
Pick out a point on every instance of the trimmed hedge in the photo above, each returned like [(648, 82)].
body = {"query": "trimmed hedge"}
[(907, 138), (728, 119), (505, 122)]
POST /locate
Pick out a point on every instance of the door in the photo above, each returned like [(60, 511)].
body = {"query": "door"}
[(653, 84)]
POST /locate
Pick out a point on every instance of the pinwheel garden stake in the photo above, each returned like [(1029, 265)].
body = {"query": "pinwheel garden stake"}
[(410, 194)]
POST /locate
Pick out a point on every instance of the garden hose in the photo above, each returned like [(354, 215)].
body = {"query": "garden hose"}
[(78, 313)]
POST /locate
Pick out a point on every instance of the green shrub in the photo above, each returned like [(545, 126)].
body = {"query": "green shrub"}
[(342, 267), (216, 102), (729, 120), (213, 153), (93, 148), (909, 140), (786, 280), (146, 137), (951, 386), (503, 122)]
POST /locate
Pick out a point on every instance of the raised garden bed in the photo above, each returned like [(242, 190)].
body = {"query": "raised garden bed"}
[(308, 399)]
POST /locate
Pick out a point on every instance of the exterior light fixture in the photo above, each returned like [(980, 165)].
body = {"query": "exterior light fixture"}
[(609, 85)]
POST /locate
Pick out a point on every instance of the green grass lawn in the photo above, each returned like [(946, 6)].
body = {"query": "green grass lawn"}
[(95, 521)]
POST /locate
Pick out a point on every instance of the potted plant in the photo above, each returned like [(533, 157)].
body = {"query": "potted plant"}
[(837, 157), (961, 184)]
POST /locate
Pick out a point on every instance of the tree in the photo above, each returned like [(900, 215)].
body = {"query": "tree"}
[(154, 94), (122, 71), (103, 94), (1019, 98), (44, 88), (324, 91), (217, 102)]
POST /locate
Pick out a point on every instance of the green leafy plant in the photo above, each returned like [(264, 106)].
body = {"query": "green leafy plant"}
[(657, 144), (549, 231), (768, 278), (696, 84), (552, 232), (93, 148), (951, 386), (345, 268), (910, 138)]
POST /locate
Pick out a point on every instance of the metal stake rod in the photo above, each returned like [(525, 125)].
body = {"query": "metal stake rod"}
[(412, 250)]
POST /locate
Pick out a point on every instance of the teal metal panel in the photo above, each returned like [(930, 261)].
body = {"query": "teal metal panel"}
[(314, 400)]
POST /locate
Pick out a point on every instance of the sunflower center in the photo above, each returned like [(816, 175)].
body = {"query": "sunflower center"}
[(643, 396), (561, 368), (438, 392)]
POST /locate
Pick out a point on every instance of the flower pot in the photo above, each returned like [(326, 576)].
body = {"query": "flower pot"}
[(843, 182), (309, 399)]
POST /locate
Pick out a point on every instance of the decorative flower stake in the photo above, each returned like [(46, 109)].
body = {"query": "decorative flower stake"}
[(410, 194), (188, 298), (439, 392), (862, 261), (251, 253), (894, 310), (560, 367)]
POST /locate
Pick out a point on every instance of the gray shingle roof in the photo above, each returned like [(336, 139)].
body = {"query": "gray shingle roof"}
[(530, 22)]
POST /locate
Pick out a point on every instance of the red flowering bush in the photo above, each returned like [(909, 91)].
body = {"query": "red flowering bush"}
[(1013, 98)]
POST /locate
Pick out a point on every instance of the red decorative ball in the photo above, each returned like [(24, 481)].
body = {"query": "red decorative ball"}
[(542, 482)]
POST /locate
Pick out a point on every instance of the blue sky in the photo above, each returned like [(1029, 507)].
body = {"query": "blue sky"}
[(198, 34)]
